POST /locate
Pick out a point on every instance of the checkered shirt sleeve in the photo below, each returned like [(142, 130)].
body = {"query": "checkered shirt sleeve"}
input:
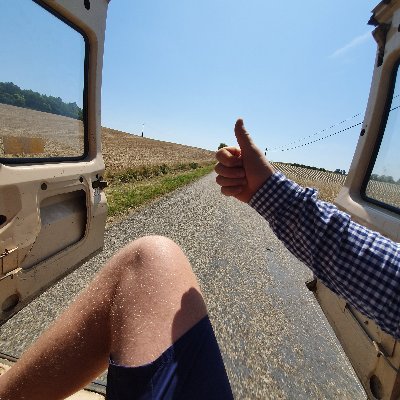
[(356, 263)]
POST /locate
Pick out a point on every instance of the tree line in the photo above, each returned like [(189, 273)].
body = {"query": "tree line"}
[(15, 96), (384, 178)]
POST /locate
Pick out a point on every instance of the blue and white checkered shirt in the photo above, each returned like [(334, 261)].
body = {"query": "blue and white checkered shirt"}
[(358, 264)]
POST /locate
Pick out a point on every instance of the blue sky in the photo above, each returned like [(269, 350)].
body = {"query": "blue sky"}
[(188, 69), (43, 54)]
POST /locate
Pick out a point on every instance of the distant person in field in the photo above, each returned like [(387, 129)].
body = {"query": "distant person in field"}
[(145, 319)]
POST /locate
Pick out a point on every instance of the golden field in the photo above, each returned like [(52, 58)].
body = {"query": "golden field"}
[(327, 183), (57, 136), (122, 150), (330, 183)]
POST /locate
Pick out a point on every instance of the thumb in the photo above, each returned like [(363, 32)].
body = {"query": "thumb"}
[(244, 139), (256, 166)]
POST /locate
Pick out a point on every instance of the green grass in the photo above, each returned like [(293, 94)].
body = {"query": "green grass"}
[(128, 189), (128, 175)]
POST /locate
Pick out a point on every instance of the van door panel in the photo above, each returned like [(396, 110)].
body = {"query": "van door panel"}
[(51, 218)]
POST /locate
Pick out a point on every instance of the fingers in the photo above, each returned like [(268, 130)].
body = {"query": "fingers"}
[(231, 190), (231, 186), (223, 181), (242, 170), (229, 172), (229, 156)]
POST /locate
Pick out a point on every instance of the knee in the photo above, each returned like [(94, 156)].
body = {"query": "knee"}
[(150, 251), (151, 241), (150, 246)]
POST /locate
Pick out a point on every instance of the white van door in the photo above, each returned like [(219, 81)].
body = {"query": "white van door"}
[(52, 206), (371, 195)]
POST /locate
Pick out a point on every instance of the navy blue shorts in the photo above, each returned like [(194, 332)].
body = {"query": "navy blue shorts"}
[(192, 368)]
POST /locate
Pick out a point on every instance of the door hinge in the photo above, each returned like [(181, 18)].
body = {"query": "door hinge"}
[(99, 184)]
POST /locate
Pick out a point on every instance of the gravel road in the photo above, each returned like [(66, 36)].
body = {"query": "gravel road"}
[(275, 341)]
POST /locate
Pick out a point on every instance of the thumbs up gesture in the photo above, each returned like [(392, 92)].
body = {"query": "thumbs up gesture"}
[(242, 170)]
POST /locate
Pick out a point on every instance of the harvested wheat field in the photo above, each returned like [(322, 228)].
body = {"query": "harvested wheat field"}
[(33, 134), (329, 184), (30, 133), (122, 150), (385, 192)]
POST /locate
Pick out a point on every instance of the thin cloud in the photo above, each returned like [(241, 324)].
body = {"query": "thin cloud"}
[(354, 43)]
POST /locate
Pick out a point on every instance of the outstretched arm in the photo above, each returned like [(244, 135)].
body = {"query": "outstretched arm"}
[(358, 264)]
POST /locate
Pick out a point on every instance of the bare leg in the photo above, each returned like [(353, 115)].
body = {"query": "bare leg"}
[(141, 302)]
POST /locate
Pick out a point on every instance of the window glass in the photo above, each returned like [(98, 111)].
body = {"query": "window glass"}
[(41, 84), (384, 182)]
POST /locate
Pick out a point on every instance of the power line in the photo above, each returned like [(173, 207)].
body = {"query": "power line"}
[(287, 146), (314, 134), (317, 140)]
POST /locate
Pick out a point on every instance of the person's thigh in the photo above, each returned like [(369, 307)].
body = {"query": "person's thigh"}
[(162, 342), (157, 300)]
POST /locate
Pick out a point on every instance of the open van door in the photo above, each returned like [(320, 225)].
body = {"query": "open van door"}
[(372, 196), (52, 207)]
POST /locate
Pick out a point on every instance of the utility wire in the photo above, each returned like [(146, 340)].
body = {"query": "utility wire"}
[(314, 134), (317, 140), (287, 146)]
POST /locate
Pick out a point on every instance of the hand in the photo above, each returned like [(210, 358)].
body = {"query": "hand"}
[(242, 170)]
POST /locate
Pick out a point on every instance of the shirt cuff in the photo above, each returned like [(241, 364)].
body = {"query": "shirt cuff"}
[(276, 193)]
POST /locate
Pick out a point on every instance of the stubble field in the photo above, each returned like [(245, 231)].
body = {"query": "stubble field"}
[(62, 136), (122, 150), (327, 183)]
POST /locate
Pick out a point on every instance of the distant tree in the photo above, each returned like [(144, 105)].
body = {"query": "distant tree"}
[(374, 177), (308, 167), (80, 114), (221, 145), (387, 178), (19, 100), (383, 178), (6, 98)]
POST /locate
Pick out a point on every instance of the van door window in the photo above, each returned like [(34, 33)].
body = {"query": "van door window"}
[(383, 184), (42, 85)]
